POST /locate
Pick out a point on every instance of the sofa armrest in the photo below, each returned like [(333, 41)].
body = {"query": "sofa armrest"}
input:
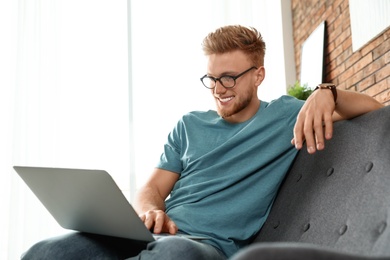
[(296, 251)]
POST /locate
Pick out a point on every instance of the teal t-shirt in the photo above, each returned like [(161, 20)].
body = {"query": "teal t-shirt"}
[(229, 173)]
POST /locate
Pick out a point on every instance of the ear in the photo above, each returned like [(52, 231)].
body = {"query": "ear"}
[(260, 75)]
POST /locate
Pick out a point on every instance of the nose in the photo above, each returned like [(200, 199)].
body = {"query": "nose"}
[(219, 88)]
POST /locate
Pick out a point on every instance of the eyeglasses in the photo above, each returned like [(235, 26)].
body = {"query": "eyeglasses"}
[(226, 81)]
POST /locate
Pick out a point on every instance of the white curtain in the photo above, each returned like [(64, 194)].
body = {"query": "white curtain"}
[(65, 101)]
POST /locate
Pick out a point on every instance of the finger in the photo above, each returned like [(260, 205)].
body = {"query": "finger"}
[(298, 132), (164, 224), (328, 126), (309, 136), (172, 228), (142, 217), (169, 226), (159, 222), (319, 132), (148, 220)]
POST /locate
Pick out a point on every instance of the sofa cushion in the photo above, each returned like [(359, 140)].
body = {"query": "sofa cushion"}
[(339, 198)]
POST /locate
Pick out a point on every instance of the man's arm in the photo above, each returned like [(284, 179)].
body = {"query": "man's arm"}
[(351, 104), (150, 201), (315, 120)]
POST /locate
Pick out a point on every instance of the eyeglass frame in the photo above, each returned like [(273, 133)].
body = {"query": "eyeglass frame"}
[(226, 76)]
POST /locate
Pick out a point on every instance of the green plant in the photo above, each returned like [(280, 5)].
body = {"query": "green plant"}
[(299, 91)]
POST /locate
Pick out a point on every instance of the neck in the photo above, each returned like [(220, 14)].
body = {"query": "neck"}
[(244, 114)]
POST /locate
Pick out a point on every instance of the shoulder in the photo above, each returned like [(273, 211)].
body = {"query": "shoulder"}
[(284, 107), (285, 103), (196, 120), (200, 116), (288, 101)]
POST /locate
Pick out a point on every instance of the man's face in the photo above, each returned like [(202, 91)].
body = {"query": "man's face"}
[(240, 103)]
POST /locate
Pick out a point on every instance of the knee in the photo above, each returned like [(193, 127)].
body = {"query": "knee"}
[(45, 249), (179, 248)]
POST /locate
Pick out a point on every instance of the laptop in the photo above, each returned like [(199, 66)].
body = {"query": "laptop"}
[(87, 201)]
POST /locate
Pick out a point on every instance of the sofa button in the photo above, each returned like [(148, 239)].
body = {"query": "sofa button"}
[(343, 229), (369, 166), (299, 177), (382, 227), (329, 172), (276, 225), (306, 227)]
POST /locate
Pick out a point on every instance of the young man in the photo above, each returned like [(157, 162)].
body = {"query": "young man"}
[(221, 169)]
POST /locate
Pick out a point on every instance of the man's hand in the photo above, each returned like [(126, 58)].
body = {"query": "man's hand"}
[(150, 199), (159, 222), (314, 122)]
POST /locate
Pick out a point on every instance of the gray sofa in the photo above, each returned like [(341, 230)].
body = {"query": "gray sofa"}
[(334, 204)]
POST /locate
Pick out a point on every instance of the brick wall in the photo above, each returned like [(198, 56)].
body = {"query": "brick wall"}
[(367, 70)]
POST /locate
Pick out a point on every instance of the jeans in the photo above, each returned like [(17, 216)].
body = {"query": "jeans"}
[(89, 246)]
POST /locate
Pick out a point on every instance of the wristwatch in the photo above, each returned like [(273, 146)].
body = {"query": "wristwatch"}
[(331, 87)]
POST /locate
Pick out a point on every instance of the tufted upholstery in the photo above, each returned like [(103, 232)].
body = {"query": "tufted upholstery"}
[(336, 201)]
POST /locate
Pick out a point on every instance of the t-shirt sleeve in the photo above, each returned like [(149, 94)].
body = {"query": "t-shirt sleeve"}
[(170, 159)]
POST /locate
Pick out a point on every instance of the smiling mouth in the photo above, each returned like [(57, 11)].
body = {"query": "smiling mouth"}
[(224, 100)]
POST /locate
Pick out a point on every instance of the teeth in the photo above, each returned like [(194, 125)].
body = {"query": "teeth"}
[(226, 99)]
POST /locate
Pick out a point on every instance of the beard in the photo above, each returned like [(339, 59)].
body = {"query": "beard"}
[(237, 107)]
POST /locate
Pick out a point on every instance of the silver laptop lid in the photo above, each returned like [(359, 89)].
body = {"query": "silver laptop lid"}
[(85, 200)]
